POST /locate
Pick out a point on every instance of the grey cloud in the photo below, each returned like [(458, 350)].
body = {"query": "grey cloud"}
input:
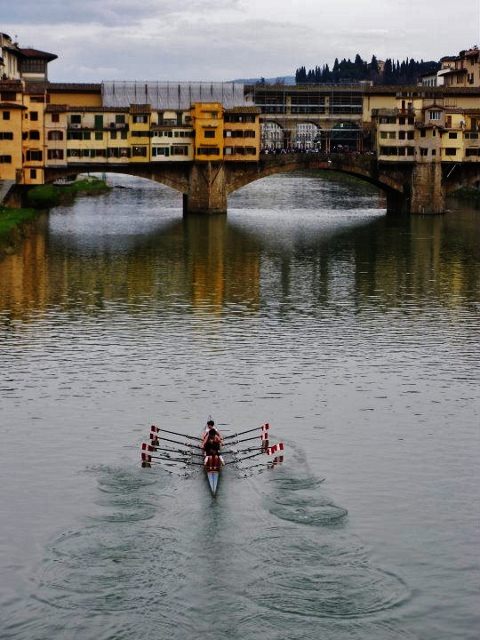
[(104, 12)]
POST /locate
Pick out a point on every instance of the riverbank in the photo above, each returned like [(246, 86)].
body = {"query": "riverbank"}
[(46, 196), (16, 224)]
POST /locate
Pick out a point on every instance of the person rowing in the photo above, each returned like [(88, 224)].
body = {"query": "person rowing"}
[(211, 432), (212, 441)]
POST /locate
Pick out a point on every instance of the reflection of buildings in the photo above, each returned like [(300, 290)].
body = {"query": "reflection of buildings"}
[(206, 264), (201, 260)]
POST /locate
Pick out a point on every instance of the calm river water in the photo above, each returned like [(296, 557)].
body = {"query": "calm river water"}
[(355, 334)]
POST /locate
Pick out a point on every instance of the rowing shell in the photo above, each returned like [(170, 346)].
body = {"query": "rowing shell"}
[(189, 452), (212, 477)]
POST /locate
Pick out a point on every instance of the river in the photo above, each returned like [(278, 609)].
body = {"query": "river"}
[(353, 333)]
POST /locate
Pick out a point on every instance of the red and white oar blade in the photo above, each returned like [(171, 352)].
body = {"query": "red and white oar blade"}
[(154, 429), (275, 448), (265, 427), (146, 457)]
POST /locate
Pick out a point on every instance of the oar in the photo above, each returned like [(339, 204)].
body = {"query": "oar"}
[(148, 458), (174, 433), (269, 451), (154, 436), (248, 439), (186, 452), (264, 427)]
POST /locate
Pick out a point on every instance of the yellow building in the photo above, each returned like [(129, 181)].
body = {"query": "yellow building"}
[(242, 134), (207, 120), (11, 121), (172, 136), (139, 132)]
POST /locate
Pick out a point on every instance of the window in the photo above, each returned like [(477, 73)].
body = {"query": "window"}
[(8, 96), (208, 151), (33, 174), (161, 151), (34, 156), (179, 150), (423, 151), (139, 152), (119, 119), (5, 159), (140, 119), (34, 135), (6, 115), (34, 115), (209, 134), (434, 115), (452, 135), (98, 135), (113, 135), (6, 135), (55, 154), (75, 119), (55, 117), (450, 151), (423, 133)]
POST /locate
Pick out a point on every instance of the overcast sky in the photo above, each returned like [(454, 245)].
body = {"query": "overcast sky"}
[(227, 39)]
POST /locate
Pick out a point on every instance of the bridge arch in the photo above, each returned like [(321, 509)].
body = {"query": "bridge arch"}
[(176, 177), (361, 166)]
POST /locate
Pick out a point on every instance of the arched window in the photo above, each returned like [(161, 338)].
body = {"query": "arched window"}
[(55, 135)]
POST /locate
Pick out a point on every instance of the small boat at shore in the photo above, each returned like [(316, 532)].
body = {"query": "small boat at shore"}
[(235, 450)]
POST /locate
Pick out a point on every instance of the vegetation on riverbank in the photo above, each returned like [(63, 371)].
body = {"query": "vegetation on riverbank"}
[(47, 195), (11, 218), (15, 223)]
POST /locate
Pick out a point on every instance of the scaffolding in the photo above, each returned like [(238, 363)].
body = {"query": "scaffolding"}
[(173, 95)]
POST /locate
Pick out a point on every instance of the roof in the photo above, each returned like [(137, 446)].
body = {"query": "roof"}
[(11, 105), (140, 108), (11, 85), (63, 108), (35, 53), (73, 87)]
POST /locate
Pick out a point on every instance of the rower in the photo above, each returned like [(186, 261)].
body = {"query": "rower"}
[(211, 432), (211, 447)]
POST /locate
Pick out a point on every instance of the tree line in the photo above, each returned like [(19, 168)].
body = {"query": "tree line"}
[(391, 72)]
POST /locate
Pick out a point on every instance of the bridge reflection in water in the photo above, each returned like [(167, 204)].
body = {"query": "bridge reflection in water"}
[(210, 263)]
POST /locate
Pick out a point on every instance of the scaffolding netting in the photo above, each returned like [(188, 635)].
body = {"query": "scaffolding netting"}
[(172, 95)]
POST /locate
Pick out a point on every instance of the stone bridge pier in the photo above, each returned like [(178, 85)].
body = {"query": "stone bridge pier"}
[(207, 189)]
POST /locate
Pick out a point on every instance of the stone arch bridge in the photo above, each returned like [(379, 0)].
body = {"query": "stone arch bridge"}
[(413, 187)]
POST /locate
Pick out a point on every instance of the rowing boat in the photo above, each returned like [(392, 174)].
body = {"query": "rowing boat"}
[(188, 453)]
